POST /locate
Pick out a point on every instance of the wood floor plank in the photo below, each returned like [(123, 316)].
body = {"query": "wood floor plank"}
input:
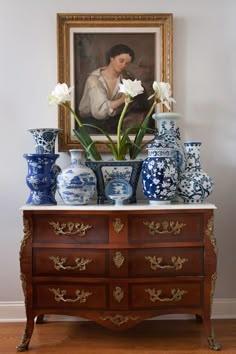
[(149, 337)]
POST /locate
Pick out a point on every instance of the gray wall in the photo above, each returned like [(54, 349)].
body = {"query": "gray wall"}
[(204, 72)]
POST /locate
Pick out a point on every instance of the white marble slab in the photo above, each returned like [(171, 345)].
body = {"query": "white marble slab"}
[(141, 205)]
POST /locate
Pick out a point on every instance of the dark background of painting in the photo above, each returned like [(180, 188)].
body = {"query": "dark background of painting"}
[(90, 53)]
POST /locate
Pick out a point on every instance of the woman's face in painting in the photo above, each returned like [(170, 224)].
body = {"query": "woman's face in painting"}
[(120, 62)]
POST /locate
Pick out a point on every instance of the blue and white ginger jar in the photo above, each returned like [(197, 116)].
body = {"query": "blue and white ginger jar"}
[(160, 173), (76, 184)]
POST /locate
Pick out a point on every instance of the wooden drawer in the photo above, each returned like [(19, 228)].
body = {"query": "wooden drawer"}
[(77, 295), (90, 229), (69, 262), (176, 227), (166, 261), (173, 294)]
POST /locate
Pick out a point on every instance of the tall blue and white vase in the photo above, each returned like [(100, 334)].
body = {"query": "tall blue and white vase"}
[(194, 185), (169, 132), (76, 184), (160, 173), (44, 139), (41, 178)]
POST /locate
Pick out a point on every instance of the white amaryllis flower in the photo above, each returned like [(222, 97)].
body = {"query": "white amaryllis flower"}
[(163, 93), (60, 94), (131, 88)]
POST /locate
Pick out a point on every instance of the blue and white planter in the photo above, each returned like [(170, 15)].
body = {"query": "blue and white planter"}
[(41, 178), (106, 171), (160, 173), (194, 185), (76, 184)]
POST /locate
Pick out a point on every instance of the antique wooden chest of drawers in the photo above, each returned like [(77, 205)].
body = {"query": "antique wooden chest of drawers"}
[(116, 265)]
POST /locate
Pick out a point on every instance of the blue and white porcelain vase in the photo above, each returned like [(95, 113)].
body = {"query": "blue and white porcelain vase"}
[(160, 173), (44, 139), (76, 184), (170, 133), (41, 178), (194, 185)]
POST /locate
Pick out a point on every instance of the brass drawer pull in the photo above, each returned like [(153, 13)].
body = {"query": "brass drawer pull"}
[(155, 263), (70, 228), (80, 263), (81, 295), (155, 295), (164, 227)]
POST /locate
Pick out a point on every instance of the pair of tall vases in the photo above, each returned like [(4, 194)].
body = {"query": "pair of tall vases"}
[(172, 171)]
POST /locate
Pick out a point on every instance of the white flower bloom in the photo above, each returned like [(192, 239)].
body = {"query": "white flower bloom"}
[(60, 94), (131, 88), (163, 93)]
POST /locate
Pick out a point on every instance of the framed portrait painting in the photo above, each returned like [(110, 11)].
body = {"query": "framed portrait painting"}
[(85, 46)]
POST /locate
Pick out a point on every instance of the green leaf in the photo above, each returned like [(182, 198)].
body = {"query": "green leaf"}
[(88, 144)]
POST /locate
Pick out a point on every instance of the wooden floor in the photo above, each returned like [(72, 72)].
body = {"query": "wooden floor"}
[(149, 337)]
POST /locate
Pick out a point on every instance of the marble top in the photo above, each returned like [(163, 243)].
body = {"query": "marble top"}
[(140, 205)]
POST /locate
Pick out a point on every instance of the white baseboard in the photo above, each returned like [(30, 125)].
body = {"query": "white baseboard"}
[(14, 311)]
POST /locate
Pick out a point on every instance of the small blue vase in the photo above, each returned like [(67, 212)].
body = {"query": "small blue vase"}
[(160, 173), (41, 178)]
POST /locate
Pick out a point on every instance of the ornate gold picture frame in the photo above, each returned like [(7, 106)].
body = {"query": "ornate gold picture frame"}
[(83, 39)]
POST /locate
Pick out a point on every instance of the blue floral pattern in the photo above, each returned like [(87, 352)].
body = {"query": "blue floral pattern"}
[(195, 185), (160, 172)]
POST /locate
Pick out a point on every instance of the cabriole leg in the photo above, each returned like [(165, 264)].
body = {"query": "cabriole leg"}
[(212, 342), (213, 345), (26, 337)]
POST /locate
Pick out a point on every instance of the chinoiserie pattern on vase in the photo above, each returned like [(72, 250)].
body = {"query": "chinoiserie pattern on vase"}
[(106, 171), (169, 132), (41, 178), (160, 173), (76, 183), (44, 139), (194, 185)]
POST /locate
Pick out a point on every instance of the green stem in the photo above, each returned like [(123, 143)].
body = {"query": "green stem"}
[(120, 126), (67, 105), (149, 113)]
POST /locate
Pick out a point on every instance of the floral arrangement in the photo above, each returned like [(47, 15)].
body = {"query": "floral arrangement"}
[(61, 95)]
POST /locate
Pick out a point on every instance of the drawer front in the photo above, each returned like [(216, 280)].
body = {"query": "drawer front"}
[(174, 294), (82, 229), (151, 262), (175, 227), (69, 262), (79, 295)]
